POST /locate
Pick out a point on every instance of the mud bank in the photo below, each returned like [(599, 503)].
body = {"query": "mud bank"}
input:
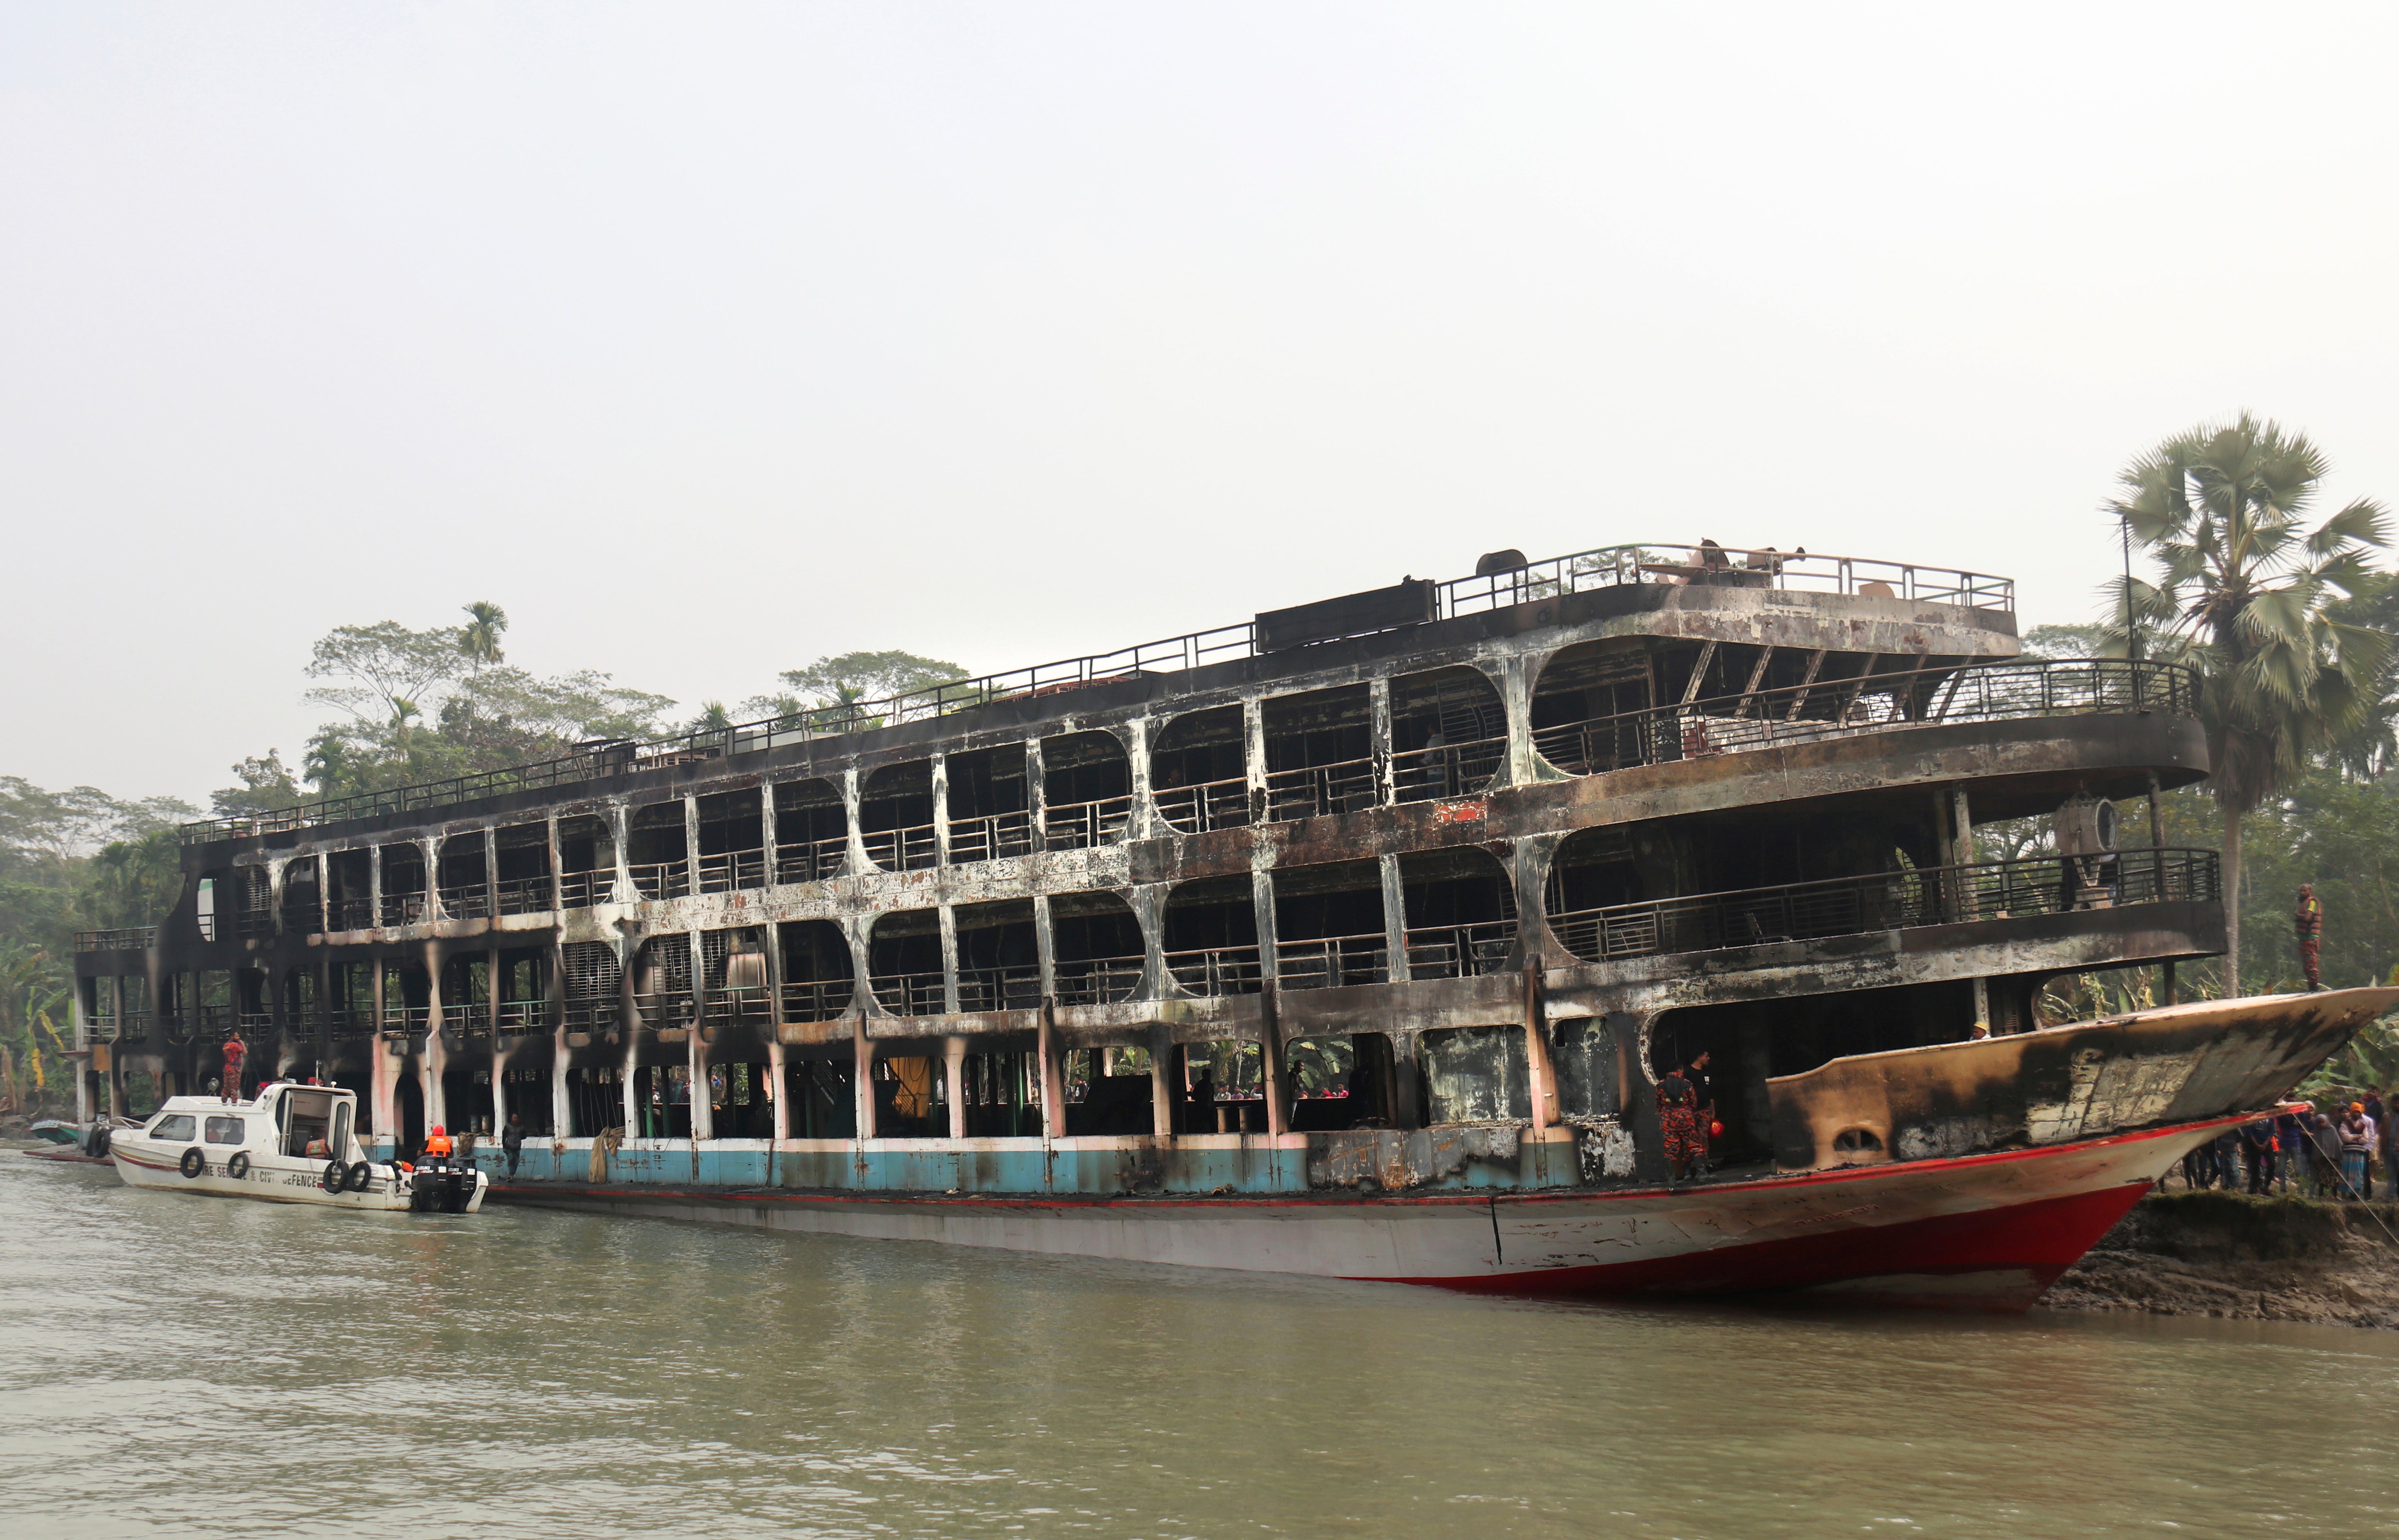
[(2235, 1257)]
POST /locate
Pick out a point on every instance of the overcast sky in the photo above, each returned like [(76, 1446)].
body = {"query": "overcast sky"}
[(708, 338)]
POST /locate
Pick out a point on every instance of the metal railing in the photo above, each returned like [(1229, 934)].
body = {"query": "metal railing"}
[(353, 914), (908, 993), (812, 861), (133, 1027), (466, 900), (1460, 951), (661, 879), (817, 999), (1451, 770), (1314, 790), (1217, 970), (903, 849), (1331, 961), (591, 1015), (519, 1018), (303, 918), (1015, 986), (411, 1020), (1977, 692), (404, 909), (253, 924), (664, 1012), (992, 836), (1082, 824), (125, 939), (583, 889), (1889, 900), (1096, 980), (737, 1008), (733, 870), (1604, 567), (1208, 805), (524, 895)]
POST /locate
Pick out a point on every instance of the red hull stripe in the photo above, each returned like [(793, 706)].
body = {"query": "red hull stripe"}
[(2041, 1239)]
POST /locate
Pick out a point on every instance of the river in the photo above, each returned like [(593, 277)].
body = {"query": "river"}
[(175, 1366)]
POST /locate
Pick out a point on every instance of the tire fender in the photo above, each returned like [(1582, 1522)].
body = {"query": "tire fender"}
[(238, 1166), (193, 1163), (360, 1177)]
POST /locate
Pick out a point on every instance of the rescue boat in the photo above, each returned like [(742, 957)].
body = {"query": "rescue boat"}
[(290, 1144)]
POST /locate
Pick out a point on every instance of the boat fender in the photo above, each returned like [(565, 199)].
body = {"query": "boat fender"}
[(361, 1177), (193, 1163), (95, 1143), (239, 1166), (332, 1179)]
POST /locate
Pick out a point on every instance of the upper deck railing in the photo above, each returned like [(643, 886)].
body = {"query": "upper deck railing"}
[(1606, 567)]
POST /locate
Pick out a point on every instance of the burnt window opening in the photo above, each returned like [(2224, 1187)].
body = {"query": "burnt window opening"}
[(732, 841), (1329, 925), (903, 962), (1598, 898), (895, 817), (1460, 912), (818, 980), (662, 981), (1108, 1092), (1221, 1089), (1587, 1054), (523, 881), (733, 983), (1211, 935), (1086, 791), (524, 990), (405, 893), (204, 905), (464, 877), (999, 961), (658, 850), (1475, 1075), (1003, 1095), (1449, 735), (586, 861), (1095, 949), (590, 978), (349, 889), (301, 914), (1335, 1083), (990, 808), (1589, 706), (1320, 753), (811, 832), (820, 1098), (1198, 772)]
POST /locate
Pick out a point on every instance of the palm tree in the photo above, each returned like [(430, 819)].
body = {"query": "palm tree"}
[(480, 640), (2246, 596)]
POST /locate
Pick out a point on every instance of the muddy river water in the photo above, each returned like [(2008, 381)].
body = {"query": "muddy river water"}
[(179, 1366)]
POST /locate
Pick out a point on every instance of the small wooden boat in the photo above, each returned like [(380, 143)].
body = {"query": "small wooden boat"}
[(292, 1144)]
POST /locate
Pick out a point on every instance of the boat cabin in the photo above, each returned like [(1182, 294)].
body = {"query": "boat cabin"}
[(303, 1122)]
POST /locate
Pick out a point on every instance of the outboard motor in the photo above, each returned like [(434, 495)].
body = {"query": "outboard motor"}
[(442, 1186)]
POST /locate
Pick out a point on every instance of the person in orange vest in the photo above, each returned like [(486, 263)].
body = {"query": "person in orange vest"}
[(437, 1143), (236, 1053)]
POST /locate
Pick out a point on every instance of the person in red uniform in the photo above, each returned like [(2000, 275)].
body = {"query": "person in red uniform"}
[(236, 1052), (2308, 919), (1678, 1120)]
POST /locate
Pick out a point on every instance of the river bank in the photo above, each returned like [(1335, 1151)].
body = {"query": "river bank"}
[(2237, 1258)]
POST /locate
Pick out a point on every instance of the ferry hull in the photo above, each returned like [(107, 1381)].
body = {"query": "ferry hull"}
[(1983, 1232)]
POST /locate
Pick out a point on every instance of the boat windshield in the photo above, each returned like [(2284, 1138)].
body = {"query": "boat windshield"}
[(174, 1127)]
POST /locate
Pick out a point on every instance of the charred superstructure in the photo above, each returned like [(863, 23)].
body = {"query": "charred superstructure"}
[(1413, 891)]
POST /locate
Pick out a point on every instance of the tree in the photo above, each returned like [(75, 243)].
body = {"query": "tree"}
[(479, 640), (391, 668), (266, 785), (831, 685), (2064, 640), (2246, 598)]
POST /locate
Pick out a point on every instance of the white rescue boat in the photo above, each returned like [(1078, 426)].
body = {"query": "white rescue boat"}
[(292, 1144)]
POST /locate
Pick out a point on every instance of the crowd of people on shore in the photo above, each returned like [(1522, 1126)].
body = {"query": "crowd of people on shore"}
[(2326, 1153)]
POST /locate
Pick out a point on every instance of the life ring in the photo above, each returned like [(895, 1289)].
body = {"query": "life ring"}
[(193, 1163), (361, 1177), (238, 1166), (332, 1179)]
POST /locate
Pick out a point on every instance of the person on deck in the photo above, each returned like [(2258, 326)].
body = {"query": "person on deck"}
[(236, 1051), (2307, 920), (513, 1141), (1678, 1121), (437, 1143), (1703, 1091)]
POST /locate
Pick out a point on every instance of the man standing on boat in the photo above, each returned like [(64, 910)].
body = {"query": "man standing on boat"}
[(236, 1051), (1678, 1120), (2308, 919)]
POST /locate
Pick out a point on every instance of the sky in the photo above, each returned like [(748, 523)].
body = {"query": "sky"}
[(710, 338)]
